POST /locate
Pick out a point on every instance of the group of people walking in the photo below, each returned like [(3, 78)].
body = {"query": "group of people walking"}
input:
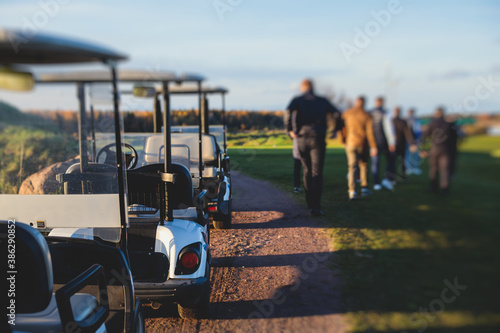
[(374, 134)]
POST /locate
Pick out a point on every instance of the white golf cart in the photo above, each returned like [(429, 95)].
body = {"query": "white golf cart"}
[(77, 279), (168, 233), (199, 147)]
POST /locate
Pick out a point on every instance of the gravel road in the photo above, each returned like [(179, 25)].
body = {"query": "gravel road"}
[(269, 272)]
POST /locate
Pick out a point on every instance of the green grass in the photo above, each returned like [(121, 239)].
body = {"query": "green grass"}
[(394, 250), (25, 151), (264, 139)]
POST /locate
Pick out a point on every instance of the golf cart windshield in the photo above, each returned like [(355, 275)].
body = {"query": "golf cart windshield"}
[(46, 183), (49, 174)]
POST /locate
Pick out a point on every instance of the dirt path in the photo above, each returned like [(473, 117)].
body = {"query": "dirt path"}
[(270, 271)]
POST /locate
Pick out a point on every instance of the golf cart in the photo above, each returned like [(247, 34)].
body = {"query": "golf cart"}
[(168, 233), (200, 145), (78, 278)]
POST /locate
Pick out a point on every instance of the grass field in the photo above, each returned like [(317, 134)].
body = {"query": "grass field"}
[(397, 252)]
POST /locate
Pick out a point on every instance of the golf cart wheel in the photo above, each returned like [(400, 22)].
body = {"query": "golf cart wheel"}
[(201, 309), (223, 221)]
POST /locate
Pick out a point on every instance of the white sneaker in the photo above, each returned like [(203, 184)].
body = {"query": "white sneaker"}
[(353, 196), (377, 187), (387, 184), (409, 172)]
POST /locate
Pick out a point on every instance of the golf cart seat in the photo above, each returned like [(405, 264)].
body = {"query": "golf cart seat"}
[(146, 187), (154, 147), (154, 152), (96, 179), (37, 308)]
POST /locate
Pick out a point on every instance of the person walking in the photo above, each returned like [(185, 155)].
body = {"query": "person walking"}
[(357, 136), (412, 162), (306, 120), (383, 130), (442, 134), (404, 137)]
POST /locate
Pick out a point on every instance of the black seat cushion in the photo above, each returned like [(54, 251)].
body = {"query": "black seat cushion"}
[(146, 188), (33, 264)]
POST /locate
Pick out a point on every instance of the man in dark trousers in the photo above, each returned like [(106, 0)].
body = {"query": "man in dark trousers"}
[(404, 136), (306, 120), (296, 167), (442, 134), (383, 130)]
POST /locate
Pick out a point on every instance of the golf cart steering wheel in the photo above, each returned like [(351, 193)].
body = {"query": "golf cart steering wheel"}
[(110, 155)]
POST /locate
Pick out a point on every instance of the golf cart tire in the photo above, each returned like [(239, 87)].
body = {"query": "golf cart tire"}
[(223, 221), (200, 310)]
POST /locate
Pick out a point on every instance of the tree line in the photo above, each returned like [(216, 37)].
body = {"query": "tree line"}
[(143, 121)]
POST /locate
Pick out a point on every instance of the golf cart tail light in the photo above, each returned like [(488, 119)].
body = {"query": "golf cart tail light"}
[(189, 259), (212, 208)]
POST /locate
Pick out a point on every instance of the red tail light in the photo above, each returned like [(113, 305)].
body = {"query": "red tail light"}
[(189, 259), (212, 208)]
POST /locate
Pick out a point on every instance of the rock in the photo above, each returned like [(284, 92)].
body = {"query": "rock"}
[(44, 181)]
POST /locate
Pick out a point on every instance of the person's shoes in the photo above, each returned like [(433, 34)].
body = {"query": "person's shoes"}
[(365, 192), (377, 187), (387, 184), (416, 171), (409, 172), (353, 196), (296, 190), (316, 212)]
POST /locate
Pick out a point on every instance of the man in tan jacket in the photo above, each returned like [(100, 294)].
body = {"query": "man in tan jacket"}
[(359, 141)]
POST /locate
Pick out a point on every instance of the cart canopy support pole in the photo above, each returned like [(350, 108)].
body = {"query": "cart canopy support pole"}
[(82, 130), (200, 135), (157, 114), (224, 120), (119, 161), (168, 149), (205, 120)]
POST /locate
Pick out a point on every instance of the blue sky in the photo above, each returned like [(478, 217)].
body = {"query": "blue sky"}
[(425, 54)]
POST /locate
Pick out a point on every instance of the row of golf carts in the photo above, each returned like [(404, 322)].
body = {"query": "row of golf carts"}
[(125, 222)]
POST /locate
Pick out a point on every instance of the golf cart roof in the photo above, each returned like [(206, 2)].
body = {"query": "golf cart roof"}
[(17, 48), (183, 90), (123, 75)]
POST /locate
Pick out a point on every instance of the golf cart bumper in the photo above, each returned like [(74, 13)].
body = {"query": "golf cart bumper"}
[(184, 291)]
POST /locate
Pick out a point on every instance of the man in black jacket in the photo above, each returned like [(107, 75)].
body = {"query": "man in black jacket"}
[(404, 136), (442, 134), (306, 120)]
